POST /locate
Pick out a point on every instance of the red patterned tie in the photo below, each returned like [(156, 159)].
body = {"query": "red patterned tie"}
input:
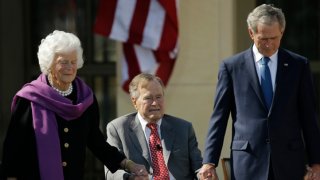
[(160, 170)]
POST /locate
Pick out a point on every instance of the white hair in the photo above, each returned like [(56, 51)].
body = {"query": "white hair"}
[(58, 42)]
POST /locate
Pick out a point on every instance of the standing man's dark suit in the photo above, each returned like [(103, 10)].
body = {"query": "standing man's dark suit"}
[(274, 143), (259, 134)]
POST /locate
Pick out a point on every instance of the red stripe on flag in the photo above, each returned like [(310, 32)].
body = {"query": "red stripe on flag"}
[(170, 29), (138, 21), (105, 17), (132, 63), (171, 9), (165, 65)]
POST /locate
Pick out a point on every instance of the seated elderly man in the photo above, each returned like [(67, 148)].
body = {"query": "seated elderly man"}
[(165, 145)]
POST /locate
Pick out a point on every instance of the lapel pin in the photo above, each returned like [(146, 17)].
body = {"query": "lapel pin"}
[(286, 64)]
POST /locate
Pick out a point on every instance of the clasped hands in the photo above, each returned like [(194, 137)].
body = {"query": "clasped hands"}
[(208, 172), (137, 171)]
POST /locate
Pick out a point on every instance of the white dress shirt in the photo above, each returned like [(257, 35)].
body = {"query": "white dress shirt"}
[(272, 65)]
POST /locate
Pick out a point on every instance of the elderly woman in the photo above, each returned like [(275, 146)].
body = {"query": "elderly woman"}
[(55, 117)]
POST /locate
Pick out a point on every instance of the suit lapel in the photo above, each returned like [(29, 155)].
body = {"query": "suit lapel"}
[(167, 138), (282, 67), (251, 68), (138, 138)]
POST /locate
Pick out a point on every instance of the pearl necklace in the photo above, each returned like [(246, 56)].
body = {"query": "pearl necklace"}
[(62, 93)]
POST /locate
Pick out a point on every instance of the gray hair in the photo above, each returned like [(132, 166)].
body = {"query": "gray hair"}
[(58, 42), (266, 14), (142, 78)]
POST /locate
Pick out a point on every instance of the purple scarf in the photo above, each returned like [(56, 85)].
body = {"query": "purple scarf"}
[(45, 103)]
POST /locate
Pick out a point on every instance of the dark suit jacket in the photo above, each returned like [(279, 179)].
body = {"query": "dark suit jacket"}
[(180, 146), (284, 135)]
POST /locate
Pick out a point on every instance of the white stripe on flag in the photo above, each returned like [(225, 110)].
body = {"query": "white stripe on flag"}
[(122, 22), (146, 59), (154, 26), (152, 30)]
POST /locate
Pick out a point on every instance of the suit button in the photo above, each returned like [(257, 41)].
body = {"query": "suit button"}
[(66, 130), (268, 141), (64, 164), (66, 145)]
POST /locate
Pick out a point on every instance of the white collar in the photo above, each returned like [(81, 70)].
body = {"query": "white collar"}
[(144, 122), (257, 55)]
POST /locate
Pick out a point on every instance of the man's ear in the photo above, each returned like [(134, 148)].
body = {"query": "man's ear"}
[(134, 102), (251, 33)]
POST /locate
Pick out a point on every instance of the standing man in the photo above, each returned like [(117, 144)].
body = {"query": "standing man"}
[(166, 145), (269, 93)]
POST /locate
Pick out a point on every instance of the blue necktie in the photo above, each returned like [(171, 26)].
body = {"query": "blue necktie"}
[(266, 83)]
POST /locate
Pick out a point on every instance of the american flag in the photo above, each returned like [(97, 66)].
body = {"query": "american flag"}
[(148, 30)]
